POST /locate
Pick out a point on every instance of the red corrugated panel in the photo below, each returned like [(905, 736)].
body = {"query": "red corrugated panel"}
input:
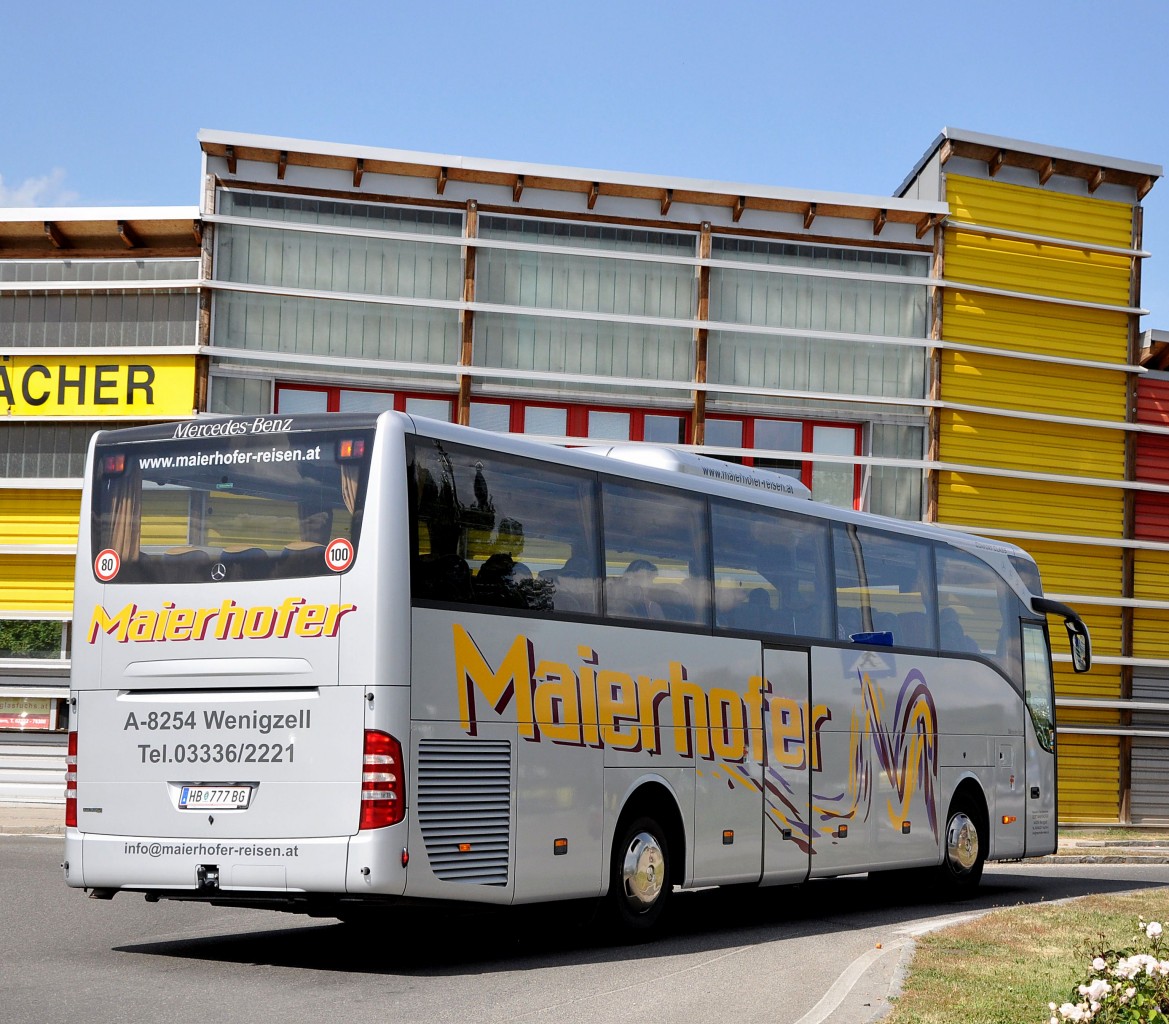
[(1152, 516), (1152, 400)]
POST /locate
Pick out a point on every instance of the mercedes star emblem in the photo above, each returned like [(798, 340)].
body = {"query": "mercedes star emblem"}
[(218, 571)]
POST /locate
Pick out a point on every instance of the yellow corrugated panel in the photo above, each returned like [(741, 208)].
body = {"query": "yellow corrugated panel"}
[(979, 439), (1079, 569), (1150, 633), (39, 517), (36, 583), (1017, 266), (1089, 778), (1029, 506), (970, 378), (1103, 682), (1151, 579), (1037, 211), (1042, 328)]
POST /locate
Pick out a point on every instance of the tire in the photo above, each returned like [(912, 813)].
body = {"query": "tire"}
[(639, 876), (964, 846)]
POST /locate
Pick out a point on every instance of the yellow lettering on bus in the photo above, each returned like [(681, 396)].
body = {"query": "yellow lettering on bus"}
[(229, 621), (728, 725), (689, 713), (115, 625), (788, 739), (513, 681), (617, 707), (557, 703)]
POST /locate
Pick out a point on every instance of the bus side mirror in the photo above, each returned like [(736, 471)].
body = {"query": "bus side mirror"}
[(1081, 644), (1078, 637)]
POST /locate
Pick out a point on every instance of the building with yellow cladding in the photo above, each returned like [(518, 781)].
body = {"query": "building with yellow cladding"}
[(967, 351)]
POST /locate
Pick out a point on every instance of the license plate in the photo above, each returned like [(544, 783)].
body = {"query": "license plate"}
[(215, 798)]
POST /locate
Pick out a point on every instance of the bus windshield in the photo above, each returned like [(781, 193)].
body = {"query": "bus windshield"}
[(252, 507)]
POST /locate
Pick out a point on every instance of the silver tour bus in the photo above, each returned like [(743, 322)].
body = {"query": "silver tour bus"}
[(328, 662)]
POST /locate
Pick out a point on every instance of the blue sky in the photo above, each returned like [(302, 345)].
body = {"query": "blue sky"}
[(102, 102)]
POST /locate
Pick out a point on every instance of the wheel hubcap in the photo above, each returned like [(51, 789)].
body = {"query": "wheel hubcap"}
[(643, 871), (962, 842)]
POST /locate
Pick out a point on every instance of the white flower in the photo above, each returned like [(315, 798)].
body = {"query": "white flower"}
[(1096, 991), (1153, 930), (1098, 964)]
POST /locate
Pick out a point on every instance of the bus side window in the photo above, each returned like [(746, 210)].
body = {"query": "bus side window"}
[(770, 571), (884, 584), (975, 609), (655, 554)]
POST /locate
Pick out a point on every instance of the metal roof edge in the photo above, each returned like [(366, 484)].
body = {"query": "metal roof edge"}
[(627, 178)]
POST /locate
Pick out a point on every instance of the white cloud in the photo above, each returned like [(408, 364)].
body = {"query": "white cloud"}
[(48, 190)]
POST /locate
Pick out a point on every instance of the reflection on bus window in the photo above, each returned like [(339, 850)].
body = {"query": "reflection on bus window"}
[(770, 571), (501, 532), (884, 584), (655, 555)]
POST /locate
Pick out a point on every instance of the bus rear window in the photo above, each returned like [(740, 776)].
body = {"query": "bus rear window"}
[(241, 508)]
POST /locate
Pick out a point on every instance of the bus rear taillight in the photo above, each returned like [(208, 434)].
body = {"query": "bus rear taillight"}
[(383, 781), (71, 782)]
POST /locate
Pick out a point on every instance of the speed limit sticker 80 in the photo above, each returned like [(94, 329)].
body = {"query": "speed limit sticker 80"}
[(106, 565)]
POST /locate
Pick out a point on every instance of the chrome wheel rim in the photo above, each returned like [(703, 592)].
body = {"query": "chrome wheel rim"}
[(962, 842), (643, 871)]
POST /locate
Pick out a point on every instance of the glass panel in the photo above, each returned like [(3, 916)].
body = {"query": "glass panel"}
[(246, 507), (432, 408), (585, 347), (335, 328), (780, 435), (770, 571), (609, 426), (98, 271), (236, 395), (366, 216), (503, 532), (655, 555), (1038, 685), (834, 483), (48, 450), (884, 584), (895, 490), (977, 611), (664, 429), (545, 421), (725, 434), (112, 320), (491, 416), (365, 401), (296, 400)]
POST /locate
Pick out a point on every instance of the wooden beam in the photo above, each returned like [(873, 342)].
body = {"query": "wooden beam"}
[(128, 236), (879, 221), (53, 233), (924, 225), (517, 189), (1046, 171), (282, 164), (231, 159), (594, 191), (1143, 188), (809, 216), (197, 231), (442, 180), (358, 171), (995, 163), (667, 201), (1097, 179), (946, 152), (740, 206)]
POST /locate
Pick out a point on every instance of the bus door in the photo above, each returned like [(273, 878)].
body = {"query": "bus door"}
[(787, 767), (1036, 784)]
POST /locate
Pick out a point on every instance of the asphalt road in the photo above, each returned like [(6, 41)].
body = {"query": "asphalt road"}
[(807, 955)]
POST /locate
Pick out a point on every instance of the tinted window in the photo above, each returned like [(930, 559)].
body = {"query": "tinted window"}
[(655, 555), (770, 571), (493, 530)]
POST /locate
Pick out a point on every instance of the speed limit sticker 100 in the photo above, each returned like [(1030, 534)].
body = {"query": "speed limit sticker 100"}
[(339, 554)]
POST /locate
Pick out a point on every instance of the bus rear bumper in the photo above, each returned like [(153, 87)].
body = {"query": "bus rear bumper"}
[(206, 868)]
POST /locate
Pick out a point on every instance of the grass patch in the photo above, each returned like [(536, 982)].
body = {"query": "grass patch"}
[(1005, 967)]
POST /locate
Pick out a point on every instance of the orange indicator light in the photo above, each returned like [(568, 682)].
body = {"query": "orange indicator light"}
[(464, 847), (1008, 819)]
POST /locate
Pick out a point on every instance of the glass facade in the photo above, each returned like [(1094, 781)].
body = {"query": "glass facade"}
[(567, 328)]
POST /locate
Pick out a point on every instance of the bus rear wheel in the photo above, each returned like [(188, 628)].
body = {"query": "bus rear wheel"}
[(639, 878)]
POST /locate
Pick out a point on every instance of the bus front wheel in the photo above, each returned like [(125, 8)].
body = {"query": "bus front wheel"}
[(639, 878), (965, 844)]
